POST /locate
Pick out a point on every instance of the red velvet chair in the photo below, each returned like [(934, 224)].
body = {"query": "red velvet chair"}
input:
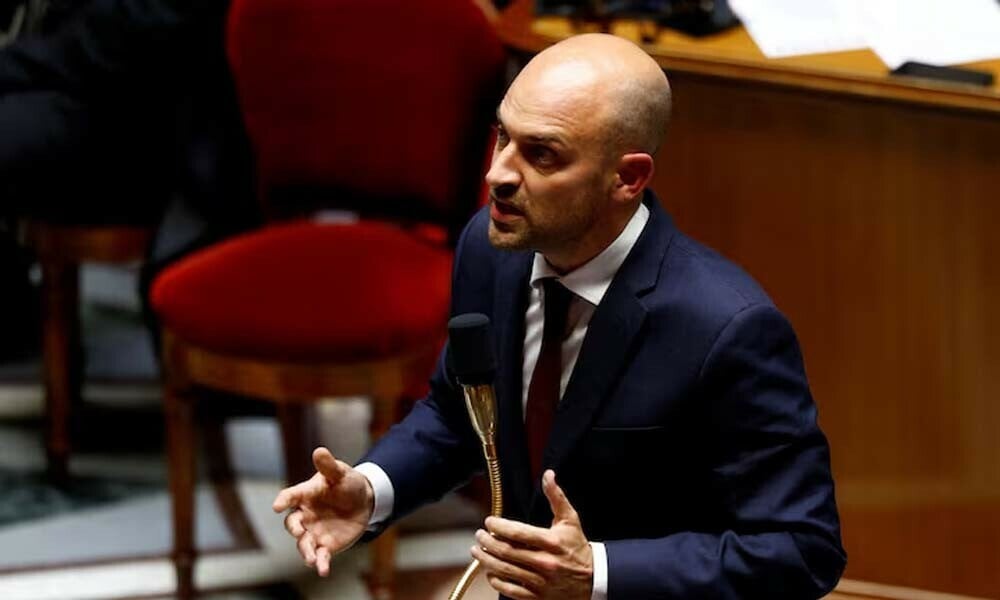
[(380, 107)]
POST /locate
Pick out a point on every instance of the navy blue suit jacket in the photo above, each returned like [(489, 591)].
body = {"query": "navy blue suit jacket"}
[(686, 438)]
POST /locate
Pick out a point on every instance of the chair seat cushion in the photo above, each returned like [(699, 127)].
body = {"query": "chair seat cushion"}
[(307, 291)]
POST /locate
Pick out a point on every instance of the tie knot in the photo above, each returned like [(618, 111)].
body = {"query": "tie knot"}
[(557, 299)]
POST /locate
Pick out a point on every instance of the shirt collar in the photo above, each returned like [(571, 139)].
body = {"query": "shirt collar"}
[(591, 280)]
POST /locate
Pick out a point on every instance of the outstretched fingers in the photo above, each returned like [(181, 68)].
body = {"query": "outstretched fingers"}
[(523, 534), (323, 561), (290, 497), (307, 548), (328, 466), (510, 589), (510, 571), (562, 510), (294, 524)]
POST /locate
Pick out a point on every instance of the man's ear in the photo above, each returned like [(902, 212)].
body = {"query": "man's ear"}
[(635, 170)]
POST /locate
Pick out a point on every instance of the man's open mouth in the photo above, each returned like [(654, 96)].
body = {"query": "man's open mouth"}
[(507, 209)]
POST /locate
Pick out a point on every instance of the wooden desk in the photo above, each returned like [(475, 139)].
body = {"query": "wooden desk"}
[(734, 55), (868, 207), (860, 590)]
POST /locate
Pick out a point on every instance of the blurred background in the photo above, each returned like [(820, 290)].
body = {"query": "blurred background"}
[(226, 232)]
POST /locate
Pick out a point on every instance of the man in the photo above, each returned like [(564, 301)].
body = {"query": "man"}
[(652, 375)]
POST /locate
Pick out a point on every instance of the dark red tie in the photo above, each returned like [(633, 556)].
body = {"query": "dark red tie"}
[(543, 393)]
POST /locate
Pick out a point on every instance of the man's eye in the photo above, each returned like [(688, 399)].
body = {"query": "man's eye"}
[(541, 155), (502, 138)]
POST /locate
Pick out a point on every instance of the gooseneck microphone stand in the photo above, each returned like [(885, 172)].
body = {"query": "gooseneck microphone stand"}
[(474, 365)]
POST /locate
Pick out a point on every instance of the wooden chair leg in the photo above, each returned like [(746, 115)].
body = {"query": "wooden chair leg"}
[(297, 440), (383, 548), (62, 359), (223, 478), (179, 408)]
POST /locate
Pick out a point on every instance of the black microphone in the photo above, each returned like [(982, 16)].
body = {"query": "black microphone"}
[(470, 352), (470, 349)]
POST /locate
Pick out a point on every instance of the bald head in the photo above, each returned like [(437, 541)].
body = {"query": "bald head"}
[(609, 81), (576, 133)]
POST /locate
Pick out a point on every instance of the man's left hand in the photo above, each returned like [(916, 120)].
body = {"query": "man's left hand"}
[(534, 563)]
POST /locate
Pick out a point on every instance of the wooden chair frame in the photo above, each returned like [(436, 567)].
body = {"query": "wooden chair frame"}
[(60, 250), (291, 387)]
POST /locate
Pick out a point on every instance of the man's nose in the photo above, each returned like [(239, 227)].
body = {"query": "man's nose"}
[(503, 176)]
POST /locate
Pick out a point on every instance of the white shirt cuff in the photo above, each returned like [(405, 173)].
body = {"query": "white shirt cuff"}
[(385, 495), (600, 571)]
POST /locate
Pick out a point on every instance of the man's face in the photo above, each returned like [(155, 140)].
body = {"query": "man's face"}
[(550, 176)]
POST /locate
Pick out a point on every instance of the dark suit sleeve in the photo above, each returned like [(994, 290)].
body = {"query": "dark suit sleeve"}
[(770, 471), (434, 449)]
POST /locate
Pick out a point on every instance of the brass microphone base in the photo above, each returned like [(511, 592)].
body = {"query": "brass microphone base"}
[(481, 403)]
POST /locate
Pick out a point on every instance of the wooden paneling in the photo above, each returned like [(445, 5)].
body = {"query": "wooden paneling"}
[(872, 225), (870, 215)]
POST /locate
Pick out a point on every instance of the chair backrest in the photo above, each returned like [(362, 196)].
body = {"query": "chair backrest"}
[(382, 105)]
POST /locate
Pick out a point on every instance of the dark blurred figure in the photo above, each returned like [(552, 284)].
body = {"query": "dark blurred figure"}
[(118, 111)]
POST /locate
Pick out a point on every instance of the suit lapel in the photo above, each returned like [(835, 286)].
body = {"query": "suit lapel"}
[(614, 327), (510, 305)]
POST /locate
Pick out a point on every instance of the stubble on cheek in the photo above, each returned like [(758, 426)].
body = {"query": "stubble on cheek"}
[(504, 236)]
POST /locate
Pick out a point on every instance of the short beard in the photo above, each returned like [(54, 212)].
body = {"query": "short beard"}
[(507, 240), (543, 242)]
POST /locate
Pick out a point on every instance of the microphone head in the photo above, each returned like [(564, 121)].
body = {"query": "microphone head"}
[(470, 342)]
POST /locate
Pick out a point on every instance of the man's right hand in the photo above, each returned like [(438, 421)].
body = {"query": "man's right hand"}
[(329, 512)]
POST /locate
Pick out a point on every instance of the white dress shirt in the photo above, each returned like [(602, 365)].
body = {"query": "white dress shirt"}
[(588, 284)]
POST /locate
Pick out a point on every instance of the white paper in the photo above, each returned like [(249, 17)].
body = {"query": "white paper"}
[(940, 32), (791, 27)]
